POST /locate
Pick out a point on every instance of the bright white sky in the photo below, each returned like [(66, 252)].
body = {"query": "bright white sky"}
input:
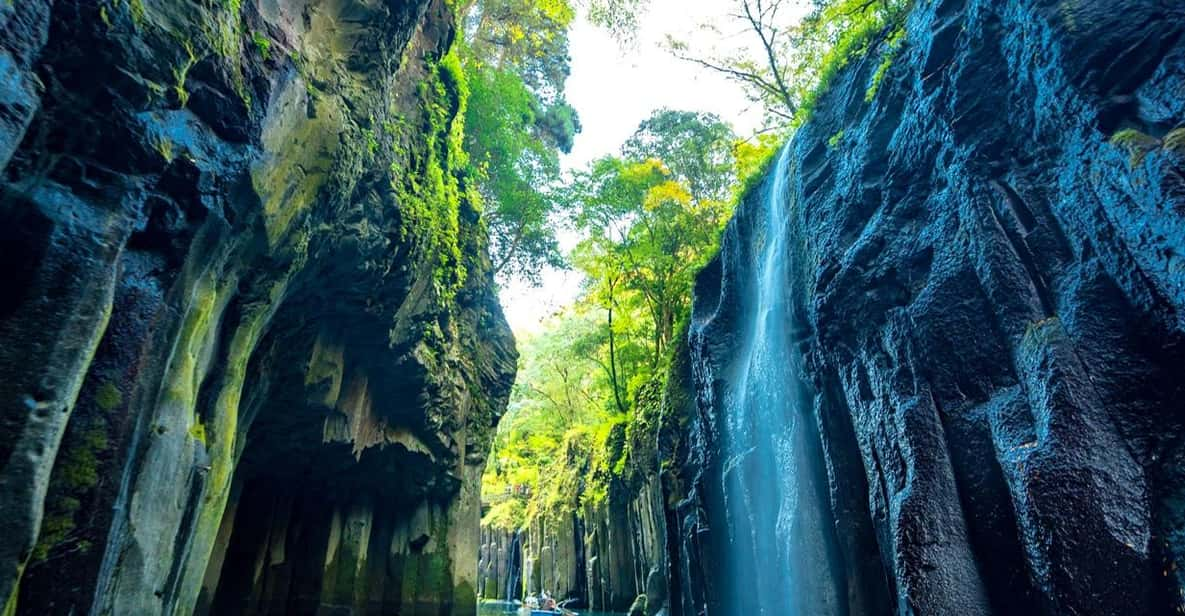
[(613, 91)]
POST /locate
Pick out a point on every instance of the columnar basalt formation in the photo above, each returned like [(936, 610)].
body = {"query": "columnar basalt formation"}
[(986, 235), (500, 564), (251, 348), (598, 551)]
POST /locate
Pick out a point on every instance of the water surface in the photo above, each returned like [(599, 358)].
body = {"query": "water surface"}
[(502, 608)]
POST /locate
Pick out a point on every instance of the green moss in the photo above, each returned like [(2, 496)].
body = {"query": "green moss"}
[(262, 45), (430, 192), (310, 147), (852, 44), (108, 397), (137, 9), (221, 426), (464, 595), (1040, 334), (1137, 144), (835, 139), (75, 474), (197, 431), (10, 606), (158, 90), (181, 73), (164, 147), (80, 467), (372, 142), (222, 32), (1174, 141), (181, 382), (892, 49), (439, 579)]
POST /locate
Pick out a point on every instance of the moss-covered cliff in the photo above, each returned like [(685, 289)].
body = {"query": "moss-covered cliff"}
[(251, 351)]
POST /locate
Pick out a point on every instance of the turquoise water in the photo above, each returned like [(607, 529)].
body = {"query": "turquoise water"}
[(500, 608)]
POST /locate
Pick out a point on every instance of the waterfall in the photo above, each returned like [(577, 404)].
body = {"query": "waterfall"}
[(781, 541), (514, 562)]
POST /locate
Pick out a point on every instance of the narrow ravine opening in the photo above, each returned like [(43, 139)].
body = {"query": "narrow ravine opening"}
[(592, 307)]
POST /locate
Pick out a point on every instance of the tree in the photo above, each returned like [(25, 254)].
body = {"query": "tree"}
[(517, 122), (618, 17), (794, 48), (696, 147), (517, 172), (650, 218), (651, 223), (764, 71)]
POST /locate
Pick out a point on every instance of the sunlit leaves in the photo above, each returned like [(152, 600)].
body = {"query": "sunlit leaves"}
[(517, 124), (650, 218)]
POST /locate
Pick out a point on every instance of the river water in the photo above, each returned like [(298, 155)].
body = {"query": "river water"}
[(502, 608)]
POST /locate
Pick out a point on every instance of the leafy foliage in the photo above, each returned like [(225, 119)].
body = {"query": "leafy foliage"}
[(432, 193), (516, 171), (516, 125), (650, 218), (836, 32), (586, 406)]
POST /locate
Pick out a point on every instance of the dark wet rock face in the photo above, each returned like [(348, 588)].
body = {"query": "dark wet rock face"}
[(987, 287), (251, 363)]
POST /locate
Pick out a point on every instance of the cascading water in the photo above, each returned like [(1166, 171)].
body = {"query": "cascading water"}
[(514, 582), (781, 543)]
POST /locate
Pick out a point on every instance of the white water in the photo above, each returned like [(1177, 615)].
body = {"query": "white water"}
[(779, 530)]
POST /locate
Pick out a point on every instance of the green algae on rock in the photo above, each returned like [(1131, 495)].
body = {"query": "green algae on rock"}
[(257, 281)]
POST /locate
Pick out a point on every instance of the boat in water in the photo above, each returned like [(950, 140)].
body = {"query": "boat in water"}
[(544, 606)]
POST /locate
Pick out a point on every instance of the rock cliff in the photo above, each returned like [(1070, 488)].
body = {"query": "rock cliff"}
[(251, 349), (986, 229), (599, 543)]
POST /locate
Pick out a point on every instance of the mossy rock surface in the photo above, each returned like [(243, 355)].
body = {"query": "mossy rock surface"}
[(249, 179)]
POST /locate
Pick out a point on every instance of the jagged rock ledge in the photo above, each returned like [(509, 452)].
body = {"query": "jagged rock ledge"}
[(251, 348)]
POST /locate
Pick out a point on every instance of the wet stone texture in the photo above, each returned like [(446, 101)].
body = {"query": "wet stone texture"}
[(251, 361), (988, 290)]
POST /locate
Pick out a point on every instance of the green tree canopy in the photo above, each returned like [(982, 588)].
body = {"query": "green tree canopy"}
[(650, 218), (517, 122)]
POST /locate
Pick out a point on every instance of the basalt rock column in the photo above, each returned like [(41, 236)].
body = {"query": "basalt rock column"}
[(249, 311)]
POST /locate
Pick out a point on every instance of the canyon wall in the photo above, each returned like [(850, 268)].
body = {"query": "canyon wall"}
[(601, 545), (252, 352), (986, 225)]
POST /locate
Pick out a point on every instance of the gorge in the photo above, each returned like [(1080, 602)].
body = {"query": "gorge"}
[(254, 359)]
